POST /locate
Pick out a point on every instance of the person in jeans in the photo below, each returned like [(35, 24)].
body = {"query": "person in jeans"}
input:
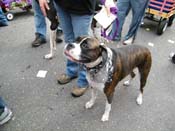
[(3, 20), (5, 112), (40, 26), (138, 10), (75, 19)]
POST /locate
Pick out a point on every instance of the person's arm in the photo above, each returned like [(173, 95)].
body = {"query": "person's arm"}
[(44, 6)]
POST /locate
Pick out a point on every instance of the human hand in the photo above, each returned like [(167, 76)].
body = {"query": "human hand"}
[(107, 8), (44, 6), (108, 4)]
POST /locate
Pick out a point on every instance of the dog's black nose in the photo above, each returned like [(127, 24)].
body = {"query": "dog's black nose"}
[(70, 46)]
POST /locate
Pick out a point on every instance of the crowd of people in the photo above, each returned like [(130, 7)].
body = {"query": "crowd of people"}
[(75, 20)]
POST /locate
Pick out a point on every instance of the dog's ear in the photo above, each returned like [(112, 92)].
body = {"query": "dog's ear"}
[(93, 40)]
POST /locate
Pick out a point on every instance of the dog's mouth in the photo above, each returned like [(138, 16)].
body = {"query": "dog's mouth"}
[(70, 57), (83, 60)]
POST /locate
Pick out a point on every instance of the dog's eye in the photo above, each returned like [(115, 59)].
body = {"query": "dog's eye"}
[(84, 45)]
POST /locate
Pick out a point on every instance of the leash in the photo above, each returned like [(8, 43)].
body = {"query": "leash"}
[(104, 33)]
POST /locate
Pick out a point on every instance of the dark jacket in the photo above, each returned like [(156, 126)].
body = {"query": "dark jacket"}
[(81, 7)]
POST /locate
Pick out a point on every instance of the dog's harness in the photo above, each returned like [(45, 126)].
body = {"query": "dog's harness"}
[(106, 63)]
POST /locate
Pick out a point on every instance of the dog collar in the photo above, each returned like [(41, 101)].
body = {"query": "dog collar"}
[(94, 63), (94, 69), (108, 66)]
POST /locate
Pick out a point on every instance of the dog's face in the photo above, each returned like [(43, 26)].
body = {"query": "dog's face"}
[(84, 50)]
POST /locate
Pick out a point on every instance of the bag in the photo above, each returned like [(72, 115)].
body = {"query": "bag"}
[(106, 18)]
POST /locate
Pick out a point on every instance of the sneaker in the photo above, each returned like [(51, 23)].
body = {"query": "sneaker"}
[(128, 41), (5, 116), (63, 79), (78, 91), (142, 24), (172, 57), (38, 40)]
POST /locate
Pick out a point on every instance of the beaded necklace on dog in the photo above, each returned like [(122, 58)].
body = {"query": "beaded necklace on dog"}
[(95, 67)]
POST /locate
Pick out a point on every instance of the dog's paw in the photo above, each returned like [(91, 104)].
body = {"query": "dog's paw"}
[(48, 56), (139, 99), (126, 83), (89, 105), (105, 117)]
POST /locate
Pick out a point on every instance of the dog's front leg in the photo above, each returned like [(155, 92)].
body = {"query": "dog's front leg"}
[(91, 102), (105, 116), (52, 44)]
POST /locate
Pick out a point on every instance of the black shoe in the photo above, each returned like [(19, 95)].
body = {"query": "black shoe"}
[(59, 32), (38, 40), (59, 40)]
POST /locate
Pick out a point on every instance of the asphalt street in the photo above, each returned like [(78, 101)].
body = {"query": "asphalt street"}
[(40, 104)]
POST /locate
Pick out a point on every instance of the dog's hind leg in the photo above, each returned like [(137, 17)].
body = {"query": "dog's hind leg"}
[(54, 38), (53, 20), (144, 71), (128, 82), (91, 102)]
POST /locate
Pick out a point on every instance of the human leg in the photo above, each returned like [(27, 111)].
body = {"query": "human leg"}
[(123, 9), (3, 20), (40, 25), (65, 23), (81, 27), (74, 26), (71, 67), (138, 9)]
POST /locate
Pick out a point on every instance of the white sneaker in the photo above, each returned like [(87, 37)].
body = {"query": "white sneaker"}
[(129, 41), (171, 55), (5, 116)]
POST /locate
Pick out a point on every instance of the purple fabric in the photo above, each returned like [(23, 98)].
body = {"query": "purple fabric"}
[(7, 3), (103, 2)]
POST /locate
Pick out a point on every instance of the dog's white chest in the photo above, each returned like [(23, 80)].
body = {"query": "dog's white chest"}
[(98, 80)]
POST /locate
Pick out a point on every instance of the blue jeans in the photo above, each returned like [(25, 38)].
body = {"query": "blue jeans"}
[(3, 20), (138, 9), (2, 105), (40, 22), (74, 26)]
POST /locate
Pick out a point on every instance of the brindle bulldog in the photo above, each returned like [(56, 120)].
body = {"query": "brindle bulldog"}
[(106, 67)]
